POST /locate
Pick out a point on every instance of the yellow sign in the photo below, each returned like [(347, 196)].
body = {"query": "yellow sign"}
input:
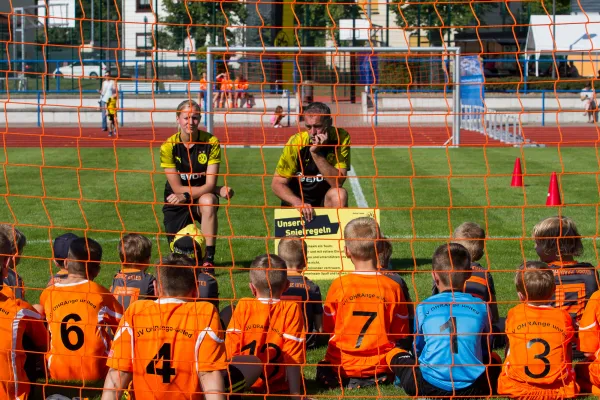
[(202, 159), (323, 235)]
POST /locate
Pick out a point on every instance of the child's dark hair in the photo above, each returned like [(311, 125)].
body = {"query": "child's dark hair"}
[(176, 275), (278, 110), (84, 257), (452, 262)]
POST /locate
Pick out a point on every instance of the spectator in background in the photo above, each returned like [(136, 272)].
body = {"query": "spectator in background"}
[(572, 71), (241, 92), (219, 94), (277, 117), (598, 77), (202, 93), (109, 89), (588, 96)]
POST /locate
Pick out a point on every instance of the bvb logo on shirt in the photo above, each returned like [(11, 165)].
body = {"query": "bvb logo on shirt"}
[(331, 158), (202, 158)]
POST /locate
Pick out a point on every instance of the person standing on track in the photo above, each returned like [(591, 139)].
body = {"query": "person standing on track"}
[(109, 89), (191, 159), (314, 164)]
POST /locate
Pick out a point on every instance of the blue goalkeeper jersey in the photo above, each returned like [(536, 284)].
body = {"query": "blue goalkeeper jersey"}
[(450, 342)]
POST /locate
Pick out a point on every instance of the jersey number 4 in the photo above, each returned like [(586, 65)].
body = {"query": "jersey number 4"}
[(166, 371)]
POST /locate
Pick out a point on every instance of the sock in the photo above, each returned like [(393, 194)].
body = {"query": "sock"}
[(210, 253)]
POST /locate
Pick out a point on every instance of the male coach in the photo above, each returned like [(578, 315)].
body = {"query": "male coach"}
[(314, 164)]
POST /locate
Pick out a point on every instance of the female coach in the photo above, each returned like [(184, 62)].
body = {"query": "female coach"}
[(191, 159)]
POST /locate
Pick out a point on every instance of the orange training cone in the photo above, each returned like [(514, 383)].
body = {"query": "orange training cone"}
[(553, 198), (517, 176)]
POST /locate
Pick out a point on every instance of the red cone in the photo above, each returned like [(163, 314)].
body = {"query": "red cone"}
[(553, 192), (517, 177)]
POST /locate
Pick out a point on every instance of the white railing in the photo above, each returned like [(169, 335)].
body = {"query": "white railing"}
[(496, 125)]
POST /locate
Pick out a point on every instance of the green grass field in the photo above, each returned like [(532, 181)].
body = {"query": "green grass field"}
[(423, 195)]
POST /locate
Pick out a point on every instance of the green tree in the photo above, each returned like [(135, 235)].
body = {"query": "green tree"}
[(443, 14), (105, 25), (562, 7), (313, 14), (200, 20)]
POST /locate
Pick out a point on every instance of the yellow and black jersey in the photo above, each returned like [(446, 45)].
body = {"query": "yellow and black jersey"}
[(192, 162), (296, 163)]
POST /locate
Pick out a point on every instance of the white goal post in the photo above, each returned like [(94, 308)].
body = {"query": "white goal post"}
[(448, 52)]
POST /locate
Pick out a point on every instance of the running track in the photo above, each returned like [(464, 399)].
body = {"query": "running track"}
[(16, 136)]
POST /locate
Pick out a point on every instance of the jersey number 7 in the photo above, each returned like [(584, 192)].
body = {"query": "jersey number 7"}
[(372, 315), (166, 371)]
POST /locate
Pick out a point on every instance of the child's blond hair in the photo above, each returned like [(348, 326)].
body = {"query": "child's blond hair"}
[(558, 236), (361, 235), (268, 274), (535, 281), (472, 237), (293, 250)]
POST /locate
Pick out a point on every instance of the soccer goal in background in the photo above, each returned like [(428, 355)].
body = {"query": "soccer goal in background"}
[(395, 85)]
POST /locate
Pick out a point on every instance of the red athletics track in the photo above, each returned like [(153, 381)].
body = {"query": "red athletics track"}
[(53, 136)]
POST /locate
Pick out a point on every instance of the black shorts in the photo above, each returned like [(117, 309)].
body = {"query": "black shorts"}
[(406, 368), (233, 380), (313, 202), (177, 217), (111, 118), (329, 376)]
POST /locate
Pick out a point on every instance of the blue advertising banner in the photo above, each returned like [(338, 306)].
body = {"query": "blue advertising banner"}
[(368, 76), (472, 90)]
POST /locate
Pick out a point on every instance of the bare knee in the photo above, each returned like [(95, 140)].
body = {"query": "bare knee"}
[(336, 198), (207, 204)]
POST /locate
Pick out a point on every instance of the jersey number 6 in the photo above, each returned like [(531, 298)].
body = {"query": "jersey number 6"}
[(66, 331)]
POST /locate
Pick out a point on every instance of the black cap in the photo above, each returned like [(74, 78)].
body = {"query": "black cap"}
[(185, 245), (61, 245)]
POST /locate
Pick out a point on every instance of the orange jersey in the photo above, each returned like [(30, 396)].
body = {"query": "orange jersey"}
[(80, 316), (226, 84), (202, 84), (18, 320), (539, 358), (589, 336), (367, 314), (165, 344), (241, 84), (272, 330)]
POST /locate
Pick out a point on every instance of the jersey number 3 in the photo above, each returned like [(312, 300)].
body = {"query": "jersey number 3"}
[(541, 356), (166, 371)]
